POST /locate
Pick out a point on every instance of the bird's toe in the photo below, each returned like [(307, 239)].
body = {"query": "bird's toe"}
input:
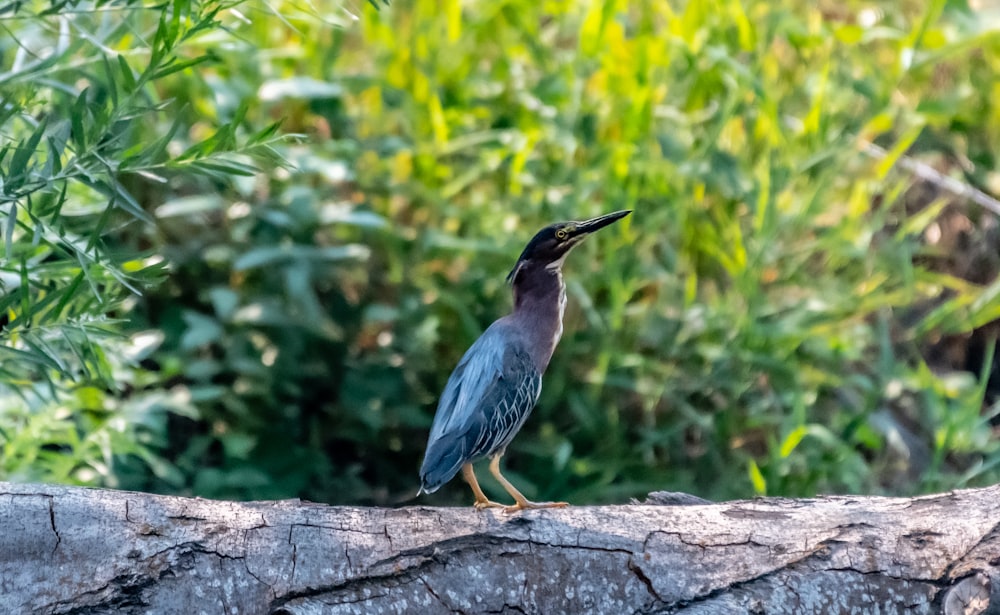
[(527, 505), (484, 504)]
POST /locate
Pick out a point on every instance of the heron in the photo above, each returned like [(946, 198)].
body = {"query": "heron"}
[(497, 382)]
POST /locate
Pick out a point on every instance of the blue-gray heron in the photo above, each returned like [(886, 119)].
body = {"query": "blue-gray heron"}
[(496, 384)]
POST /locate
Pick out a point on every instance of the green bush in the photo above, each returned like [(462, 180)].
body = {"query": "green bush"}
[(86, 148), (754, 327)]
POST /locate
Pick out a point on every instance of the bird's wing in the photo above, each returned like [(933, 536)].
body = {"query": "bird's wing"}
[(506, 404), (479, 368), (485, 402)]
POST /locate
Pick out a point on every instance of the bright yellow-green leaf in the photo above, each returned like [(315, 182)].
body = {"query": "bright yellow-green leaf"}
[(453, 8), (892, 156), (756, 478), (792, 440), (438, 122), (849, 33)]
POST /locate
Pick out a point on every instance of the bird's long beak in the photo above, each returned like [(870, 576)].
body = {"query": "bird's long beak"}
[(595, 224)]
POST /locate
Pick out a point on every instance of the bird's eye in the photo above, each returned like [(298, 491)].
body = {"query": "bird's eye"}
[(561, 234)]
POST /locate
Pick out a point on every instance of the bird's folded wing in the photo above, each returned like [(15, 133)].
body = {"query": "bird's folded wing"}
[(494, 386), (479, 369), (484, 404)]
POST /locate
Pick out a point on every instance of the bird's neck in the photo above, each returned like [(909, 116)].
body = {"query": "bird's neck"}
[(539, 303)]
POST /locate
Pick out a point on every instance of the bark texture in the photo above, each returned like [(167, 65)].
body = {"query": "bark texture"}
[(73, 550)]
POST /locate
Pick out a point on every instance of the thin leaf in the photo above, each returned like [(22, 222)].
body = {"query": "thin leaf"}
[(178, 66), (126, 71), (27, 150), (76, 118), (68, 295), (9, 231), (31, 357), (112, 83)]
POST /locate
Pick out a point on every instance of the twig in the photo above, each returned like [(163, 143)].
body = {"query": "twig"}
[(932, 175)]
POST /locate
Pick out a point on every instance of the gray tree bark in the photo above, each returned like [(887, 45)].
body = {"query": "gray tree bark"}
[(74, 550)]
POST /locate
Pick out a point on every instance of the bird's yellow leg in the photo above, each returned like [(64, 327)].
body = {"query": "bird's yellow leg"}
[(521, 502), (481, 500)]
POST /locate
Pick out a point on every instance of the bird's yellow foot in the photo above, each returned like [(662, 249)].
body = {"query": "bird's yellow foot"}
[(482, 504), (523, 505)]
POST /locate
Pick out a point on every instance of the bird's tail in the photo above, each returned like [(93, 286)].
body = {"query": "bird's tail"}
[(442, 462)]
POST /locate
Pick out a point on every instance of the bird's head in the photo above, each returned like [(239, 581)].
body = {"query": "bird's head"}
[(549, 246)]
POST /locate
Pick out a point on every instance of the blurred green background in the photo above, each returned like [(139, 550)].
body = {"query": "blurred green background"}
[(245, 242)]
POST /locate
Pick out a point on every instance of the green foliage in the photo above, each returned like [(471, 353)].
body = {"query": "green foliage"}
[(84, 140), (748, 330), (725, 339)]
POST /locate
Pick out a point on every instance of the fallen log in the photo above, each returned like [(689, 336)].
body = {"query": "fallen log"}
[(74, 550)]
